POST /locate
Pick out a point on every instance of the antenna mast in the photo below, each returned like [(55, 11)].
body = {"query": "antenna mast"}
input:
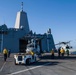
[(22, 6)]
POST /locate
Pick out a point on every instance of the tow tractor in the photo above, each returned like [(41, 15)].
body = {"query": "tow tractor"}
[(24, 58), (28, 57)]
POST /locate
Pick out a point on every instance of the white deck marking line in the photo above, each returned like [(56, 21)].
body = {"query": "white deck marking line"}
[(28, 69), (2, 67)]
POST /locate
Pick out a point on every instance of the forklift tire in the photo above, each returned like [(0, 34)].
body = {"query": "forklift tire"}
[(28, 62)]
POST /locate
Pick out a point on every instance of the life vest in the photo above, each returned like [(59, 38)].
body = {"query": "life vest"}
[(5, 51), (52, 52), (62, 51), (67, 51)]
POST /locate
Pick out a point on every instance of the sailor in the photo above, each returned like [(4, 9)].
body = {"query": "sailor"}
[(52, 53), (9, 53), (62, 51), (5, 52), (59, 51), (32, 53), (67, 52)]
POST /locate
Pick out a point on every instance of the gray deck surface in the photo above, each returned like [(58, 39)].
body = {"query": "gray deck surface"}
[(44, 66)]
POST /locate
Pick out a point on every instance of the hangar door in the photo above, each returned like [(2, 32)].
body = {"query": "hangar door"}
[(22, 45)]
